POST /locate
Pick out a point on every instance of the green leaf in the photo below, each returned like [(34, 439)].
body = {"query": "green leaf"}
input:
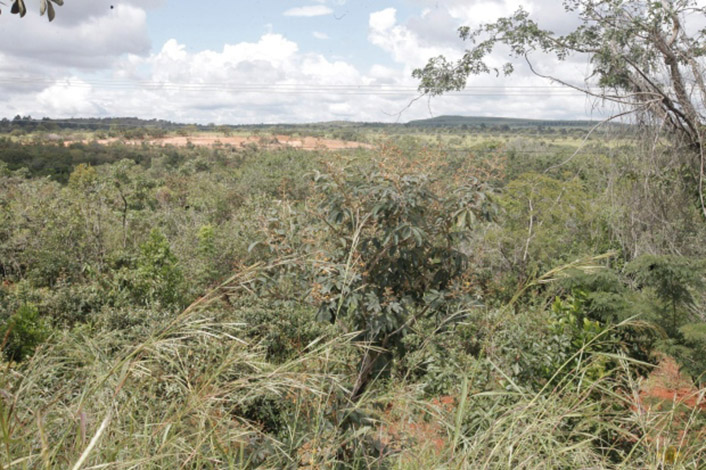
[(50, 8), (324, 315)]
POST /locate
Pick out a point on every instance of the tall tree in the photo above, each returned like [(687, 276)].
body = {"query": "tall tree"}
[(646, 56)]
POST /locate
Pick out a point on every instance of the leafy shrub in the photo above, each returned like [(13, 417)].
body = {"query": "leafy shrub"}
[(397, 254), (283, 328), (547, 222), (605, 297), (671, 279), (206, 250), (435, 354), (668, 284), (68, 304), (22, 333), (694, 335), (158, 278)]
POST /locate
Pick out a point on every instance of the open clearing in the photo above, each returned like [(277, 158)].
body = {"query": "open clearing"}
[(269, 141)]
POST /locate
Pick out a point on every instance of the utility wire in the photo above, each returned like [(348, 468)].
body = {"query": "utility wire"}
[(281, 88)]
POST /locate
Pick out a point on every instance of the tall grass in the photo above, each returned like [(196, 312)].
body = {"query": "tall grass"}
[(191, 393)]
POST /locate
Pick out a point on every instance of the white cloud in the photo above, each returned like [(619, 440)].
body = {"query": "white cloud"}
[(381, 75), (69, 97), (98, 63), (403, 44), (435, 27), (310, 10), (473, 13), (80, 11), (383, 19), (342, 110), (549, 13), (89, 41), (413, 42), (270, 80)]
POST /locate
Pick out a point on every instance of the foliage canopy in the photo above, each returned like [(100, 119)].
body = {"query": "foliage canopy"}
[(645, 56)]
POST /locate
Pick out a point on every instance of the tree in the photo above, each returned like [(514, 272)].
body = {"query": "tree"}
[(45, 6), (227, 131), (672, 279), (158, 277), (644, 56), (396, 255), (132, 191), (547, 222)]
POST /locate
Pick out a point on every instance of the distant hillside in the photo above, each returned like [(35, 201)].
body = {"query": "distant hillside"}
[(29, 124), (480, 122)]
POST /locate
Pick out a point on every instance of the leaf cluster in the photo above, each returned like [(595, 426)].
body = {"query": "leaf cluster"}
[(399, 246), (45, 6)]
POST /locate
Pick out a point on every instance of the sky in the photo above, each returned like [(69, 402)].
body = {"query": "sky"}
[(266, 61)]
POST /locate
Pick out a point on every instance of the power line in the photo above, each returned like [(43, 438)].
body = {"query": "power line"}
[(285, 88), (19, 78)]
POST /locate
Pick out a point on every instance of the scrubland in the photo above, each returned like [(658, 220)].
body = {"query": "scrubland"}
[(444, 298)]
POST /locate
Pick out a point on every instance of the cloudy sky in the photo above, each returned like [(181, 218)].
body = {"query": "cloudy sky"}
[(264, 61)]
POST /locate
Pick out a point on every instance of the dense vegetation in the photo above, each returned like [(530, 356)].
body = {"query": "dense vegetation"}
[(123, 127), (447, 300)]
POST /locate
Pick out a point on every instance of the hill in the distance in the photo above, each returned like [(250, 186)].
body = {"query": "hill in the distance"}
[(463, 122), (480, 122)]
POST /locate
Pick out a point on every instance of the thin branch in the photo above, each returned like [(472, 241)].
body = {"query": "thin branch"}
[(409, 105), (620, 99)]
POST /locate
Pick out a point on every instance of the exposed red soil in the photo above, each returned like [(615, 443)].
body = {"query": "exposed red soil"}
[(278, 141), (400, 427)]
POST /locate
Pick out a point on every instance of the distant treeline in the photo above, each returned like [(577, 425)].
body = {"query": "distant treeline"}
[(29, 124), (498, 122), (58, 161), (117, 124)]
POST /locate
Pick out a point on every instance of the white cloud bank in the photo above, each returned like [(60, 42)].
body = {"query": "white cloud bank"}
[(82, 41), (63, 74), (270, 80), (433, 33)]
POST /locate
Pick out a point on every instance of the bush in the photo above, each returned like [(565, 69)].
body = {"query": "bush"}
[(398, 251), (283, 329), (22, 333), (158, 279)]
